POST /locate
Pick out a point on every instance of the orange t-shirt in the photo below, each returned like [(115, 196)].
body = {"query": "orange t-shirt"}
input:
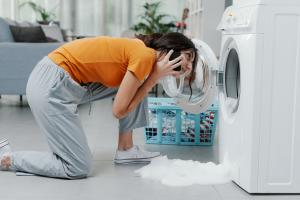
[(104, 59)]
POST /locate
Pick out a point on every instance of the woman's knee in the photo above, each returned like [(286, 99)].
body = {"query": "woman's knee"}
[(80, 170)]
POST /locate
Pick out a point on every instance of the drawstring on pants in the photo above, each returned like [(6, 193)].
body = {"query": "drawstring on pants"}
[(87, 86), (90, 94)]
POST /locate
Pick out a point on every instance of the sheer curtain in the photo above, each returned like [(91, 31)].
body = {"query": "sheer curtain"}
[(113, 17), (8, 8), (11, 9), (90, 17)]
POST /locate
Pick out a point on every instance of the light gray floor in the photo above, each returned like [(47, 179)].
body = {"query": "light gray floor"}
[(109, 181)]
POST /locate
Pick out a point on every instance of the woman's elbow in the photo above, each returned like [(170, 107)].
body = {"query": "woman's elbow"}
[(118, 113)]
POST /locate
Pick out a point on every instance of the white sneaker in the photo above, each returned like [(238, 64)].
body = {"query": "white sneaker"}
[(4, 151), (134, 155)]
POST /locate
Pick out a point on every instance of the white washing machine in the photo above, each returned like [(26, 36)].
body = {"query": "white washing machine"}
[(259, 65)]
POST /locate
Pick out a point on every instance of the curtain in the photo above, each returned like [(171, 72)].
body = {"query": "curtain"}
[(90, 17)]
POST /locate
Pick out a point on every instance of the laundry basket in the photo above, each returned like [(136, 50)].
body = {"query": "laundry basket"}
[(168, 124)]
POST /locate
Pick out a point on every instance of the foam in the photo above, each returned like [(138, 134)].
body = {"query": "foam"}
[(176, 172)]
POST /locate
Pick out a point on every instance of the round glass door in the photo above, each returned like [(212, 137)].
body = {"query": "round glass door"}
[(231, 77), (200, 92)]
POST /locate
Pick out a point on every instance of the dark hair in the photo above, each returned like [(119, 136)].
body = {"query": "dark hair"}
[(169, 41)]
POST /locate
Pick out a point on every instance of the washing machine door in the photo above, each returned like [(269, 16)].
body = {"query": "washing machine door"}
[(229, 94), (199, 94)]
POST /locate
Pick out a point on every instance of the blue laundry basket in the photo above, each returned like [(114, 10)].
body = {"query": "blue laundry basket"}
[(168, 124)]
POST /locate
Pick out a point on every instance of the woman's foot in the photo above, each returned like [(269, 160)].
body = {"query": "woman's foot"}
[(5, 152), (134, 155), (6, 162)]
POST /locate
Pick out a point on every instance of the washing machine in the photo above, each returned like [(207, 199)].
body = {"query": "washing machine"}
[(257, 80)]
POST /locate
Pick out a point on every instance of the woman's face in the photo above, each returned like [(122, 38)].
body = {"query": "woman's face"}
[(187, 61)]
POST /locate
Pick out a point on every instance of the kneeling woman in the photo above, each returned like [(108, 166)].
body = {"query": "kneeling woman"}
[(87, 70)]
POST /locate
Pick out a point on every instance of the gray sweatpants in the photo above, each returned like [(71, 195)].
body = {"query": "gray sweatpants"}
[(53, 97)]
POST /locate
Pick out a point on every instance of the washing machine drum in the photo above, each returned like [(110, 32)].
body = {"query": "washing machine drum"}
[(197, 96)]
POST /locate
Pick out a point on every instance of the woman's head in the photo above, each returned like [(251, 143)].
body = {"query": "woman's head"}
[(176, 42), (171, 41)]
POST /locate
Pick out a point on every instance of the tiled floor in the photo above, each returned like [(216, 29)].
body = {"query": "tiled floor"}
[(109, 181)]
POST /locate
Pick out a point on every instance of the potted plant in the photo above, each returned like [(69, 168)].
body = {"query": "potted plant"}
[(45, 16), (152, 21)]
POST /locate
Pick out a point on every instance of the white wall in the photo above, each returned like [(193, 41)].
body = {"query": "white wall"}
[(204, 18), (213, 11)]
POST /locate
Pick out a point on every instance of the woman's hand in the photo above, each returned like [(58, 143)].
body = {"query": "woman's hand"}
[(165, 67)]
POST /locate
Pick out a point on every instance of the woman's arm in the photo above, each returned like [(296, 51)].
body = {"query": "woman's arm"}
[(131, 92)]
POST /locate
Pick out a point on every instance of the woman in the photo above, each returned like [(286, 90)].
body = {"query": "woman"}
[(87, 70)]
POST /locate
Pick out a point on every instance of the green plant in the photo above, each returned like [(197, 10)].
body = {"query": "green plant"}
[(46, 16), (153, 21)]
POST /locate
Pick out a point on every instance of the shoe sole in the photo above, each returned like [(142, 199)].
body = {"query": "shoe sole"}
[(133, 161), (136, 160), (3, 143)]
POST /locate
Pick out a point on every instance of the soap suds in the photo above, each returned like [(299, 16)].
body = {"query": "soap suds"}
[(176, 172)]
